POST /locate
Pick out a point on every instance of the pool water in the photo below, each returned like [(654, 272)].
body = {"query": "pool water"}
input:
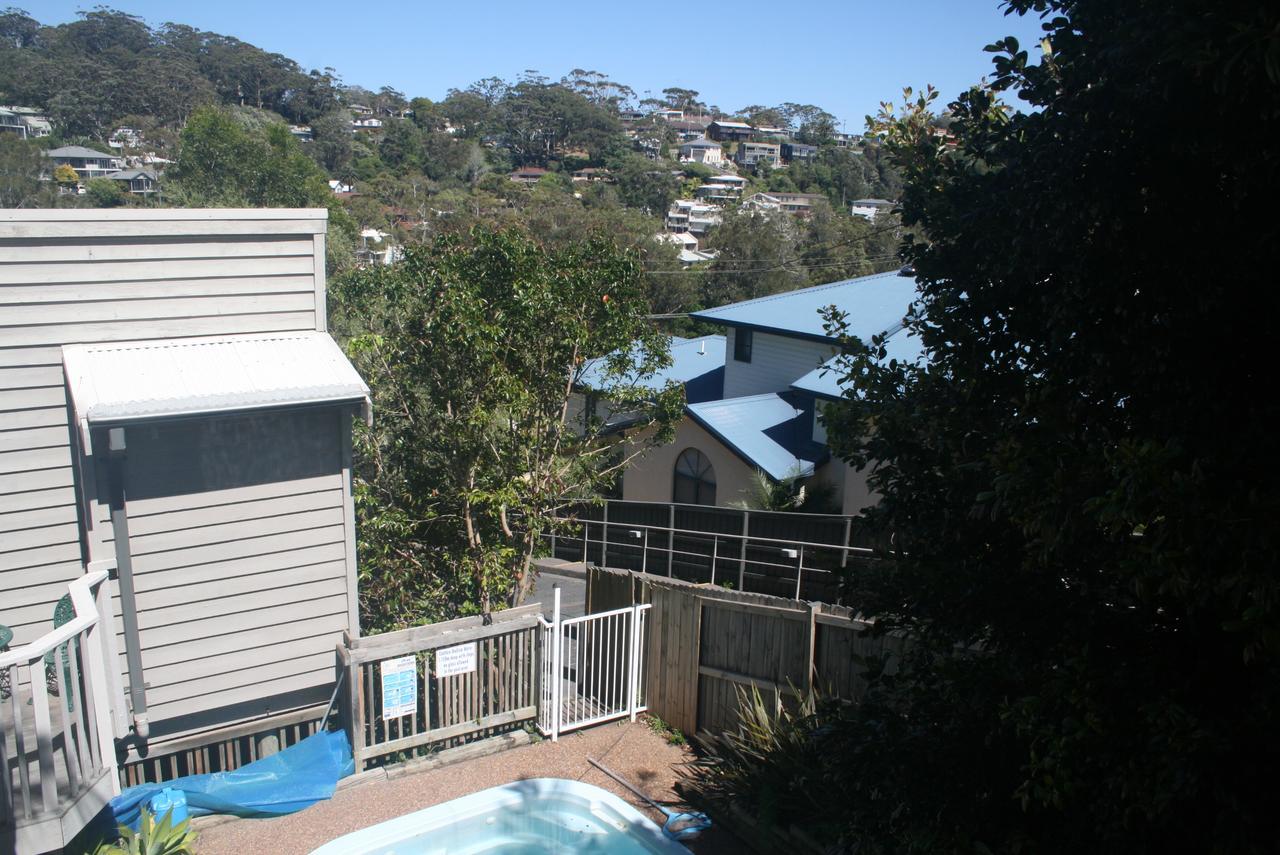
[(541, 815)]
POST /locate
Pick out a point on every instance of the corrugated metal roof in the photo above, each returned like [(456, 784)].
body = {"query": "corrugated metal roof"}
[(825, 380), (168, 378), (691, 358), (874, 304), (769, 431)]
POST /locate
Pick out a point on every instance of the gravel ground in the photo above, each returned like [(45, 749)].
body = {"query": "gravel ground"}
[(632, 750)]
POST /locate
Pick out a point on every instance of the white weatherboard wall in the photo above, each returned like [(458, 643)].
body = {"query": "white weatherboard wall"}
[(242, 526), (777, 361)]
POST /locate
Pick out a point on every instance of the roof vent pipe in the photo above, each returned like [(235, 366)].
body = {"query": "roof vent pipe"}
[(702, 347)]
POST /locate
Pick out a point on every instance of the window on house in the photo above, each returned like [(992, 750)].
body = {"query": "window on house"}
[(695, 479), (742, 345)]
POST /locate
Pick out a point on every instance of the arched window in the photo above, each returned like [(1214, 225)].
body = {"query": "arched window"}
[(695, 479)]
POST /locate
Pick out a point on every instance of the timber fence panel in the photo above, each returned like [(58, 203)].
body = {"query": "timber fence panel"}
[(493, 690), (706, 643)]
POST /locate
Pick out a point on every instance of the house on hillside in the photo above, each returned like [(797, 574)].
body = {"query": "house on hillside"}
[(795, 204), (754, 153), (689, 128), (794, 152), (175, 414), (366, 123), (302, 133), (718, 192), (869, 209), (26, 123), (528, 174), (779, 372), (725, 131), (87, 162), (687, 215), (592, 174), (702, 150), (140, 182)]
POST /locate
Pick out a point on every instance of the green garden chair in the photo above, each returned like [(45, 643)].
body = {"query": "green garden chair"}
[(63, 613)]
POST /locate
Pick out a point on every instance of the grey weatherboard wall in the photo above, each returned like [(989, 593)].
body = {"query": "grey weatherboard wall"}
[(241, 526)]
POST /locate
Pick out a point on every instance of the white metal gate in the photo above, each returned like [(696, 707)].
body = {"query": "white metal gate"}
[(592, 668)]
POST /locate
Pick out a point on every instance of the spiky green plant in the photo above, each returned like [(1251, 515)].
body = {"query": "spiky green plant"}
[(768, 763), (153, 838)]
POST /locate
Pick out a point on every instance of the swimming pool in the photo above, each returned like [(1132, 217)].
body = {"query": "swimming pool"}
[(522, 818)]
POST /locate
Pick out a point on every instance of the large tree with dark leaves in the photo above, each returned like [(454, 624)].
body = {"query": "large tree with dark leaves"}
[(1082, 482)]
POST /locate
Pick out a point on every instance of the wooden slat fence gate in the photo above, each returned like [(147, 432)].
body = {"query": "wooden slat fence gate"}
[(706, 643), (417, 690), (593, 667)]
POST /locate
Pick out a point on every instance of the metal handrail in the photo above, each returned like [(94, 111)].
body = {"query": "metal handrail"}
[(783, 542)]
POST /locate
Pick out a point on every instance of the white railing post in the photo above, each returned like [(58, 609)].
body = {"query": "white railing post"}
[(98, 645), (633, 664), (44, 733), (557, 676)]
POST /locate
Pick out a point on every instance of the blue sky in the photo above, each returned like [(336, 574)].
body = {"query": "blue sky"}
[(844, 56)]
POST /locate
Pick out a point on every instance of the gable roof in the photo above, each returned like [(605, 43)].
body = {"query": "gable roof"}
[(130, 174), (874, 304), (769, 431), (826, 381)]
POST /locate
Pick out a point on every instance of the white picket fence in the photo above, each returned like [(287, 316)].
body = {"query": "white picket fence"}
[(592, 668)]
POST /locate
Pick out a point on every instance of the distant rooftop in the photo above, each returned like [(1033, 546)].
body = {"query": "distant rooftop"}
[(77, 151), (874, 304)]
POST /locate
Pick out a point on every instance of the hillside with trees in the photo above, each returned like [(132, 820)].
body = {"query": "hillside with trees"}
[(231, 124)]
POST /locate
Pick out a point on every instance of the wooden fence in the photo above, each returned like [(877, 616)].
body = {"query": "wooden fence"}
[(449, 703), (706, 642)]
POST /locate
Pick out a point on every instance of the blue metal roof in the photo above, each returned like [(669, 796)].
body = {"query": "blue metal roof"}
[(773, 432), (825, 380), (694, 362), (874, 304)]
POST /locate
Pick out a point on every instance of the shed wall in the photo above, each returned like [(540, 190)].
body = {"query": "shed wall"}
[(94, 276)]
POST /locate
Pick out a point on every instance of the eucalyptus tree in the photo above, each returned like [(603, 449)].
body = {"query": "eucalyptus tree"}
[(473, 347)]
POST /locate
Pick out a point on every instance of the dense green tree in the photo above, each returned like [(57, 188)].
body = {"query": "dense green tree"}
[(104, 193), (757, 257), (21, 163), (1081, 482), (331, 143), (644, 185), (472, 347), (17, 28)]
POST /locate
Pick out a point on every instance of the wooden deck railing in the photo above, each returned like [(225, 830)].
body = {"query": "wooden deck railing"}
[(56, 738), (488, 684)]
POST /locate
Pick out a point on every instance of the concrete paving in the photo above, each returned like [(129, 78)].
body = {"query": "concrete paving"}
[(573, 591), (632, 750)]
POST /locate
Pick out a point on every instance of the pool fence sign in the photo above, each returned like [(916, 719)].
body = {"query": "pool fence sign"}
[(399, 687), (459, 659)]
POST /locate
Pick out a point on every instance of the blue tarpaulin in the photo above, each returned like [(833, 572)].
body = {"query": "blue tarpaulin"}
[(288, 781)]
